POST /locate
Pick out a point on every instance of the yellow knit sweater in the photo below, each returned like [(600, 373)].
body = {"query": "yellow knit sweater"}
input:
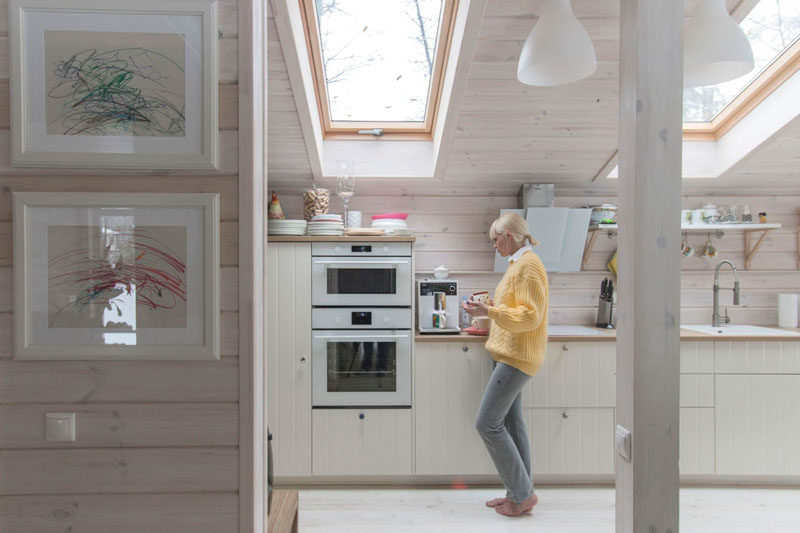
[(518, 335)]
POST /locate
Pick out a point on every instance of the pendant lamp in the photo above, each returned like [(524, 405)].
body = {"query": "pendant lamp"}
[(558, 50), (715, 48)]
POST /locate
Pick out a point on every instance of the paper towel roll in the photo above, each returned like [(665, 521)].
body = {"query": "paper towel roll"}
[(787, 310)]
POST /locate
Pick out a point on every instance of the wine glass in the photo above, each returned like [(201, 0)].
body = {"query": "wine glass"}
[(345, 185)]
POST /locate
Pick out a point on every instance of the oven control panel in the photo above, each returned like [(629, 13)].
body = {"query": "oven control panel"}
[(361, 249), (360, 318)]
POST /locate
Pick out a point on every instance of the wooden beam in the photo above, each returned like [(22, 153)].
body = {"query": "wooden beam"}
[(648, 338), (252, 188)]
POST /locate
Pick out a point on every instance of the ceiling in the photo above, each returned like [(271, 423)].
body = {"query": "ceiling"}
[(508, 133)]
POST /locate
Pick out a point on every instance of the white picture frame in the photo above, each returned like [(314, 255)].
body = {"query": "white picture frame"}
[(87, 92), (116, 276)]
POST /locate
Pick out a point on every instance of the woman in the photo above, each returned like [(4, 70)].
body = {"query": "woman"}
[(517, 342)]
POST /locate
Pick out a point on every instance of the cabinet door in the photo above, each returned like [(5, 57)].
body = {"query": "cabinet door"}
[(449, 381), (572, 440), (575, 374), (289, 356), (363, 442), (697, 440), (757, 357), (758, 424)]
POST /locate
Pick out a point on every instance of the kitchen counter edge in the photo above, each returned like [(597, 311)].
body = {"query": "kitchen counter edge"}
[(610, 336), (341, 238)]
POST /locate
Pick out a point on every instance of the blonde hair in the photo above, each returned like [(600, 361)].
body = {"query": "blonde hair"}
[(516, 225)]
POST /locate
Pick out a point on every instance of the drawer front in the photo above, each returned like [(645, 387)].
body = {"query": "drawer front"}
[(697, 357), (361, 442), (571, 441), (696, 441), (697, 390), (575, 374), (757, 357)]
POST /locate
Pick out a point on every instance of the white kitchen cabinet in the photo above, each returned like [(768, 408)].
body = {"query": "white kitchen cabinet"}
[(757, 357), (697, 390), (571, 440), (289, 356), (361, 442), (697, 440), (574, 374), (449, 381), (697, 357), (757, 424)]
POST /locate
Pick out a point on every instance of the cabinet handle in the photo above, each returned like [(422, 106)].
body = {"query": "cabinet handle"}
[(564, 415), (465, 348), (564, 348), (361, 416), (302, 360)]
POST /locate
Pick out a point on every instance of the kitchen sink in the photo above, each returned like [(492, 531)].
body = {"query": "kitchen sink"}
[(740, 329), (574, 330)]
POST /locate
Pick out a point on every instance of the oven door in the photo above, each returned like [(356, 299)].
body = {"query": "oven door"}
[(373, 281), (361, 368)]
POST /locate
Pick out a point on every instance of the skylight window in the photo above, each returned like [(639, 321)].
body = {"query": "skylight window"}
[(773, 28), (378, 64)]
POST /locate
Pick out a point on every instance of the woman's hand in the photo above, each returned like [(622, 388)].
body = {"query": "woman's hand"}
[(475, 308)]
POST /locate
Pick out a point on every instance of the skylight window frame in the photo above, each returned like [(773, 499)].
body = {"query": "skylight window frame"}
[(782, 68), (391, 130)]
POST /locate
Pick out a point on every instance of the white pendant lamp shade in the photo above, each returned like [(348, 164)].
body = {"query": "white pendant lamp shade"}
[(558, 50), (715, 48)]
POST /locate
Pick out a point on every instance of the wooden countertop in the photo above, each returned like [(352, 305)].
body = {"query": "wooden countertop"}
[(340, 238), (610, 335)]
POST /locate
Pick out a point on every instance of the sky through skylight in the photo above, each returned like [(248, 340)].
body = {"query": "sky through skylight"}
[(378, 57), (771, 27)]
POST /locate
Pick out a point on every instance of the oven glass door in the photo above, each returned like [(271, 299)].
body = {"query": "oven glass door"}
[(361, 368), (368, 281)]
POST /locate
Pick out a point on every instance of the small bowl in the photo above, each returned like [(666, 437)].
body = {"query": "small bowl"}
[(441, 272)]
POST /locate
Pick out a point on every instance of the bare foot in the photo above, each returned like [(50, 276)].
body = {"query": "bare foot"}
[(495, 502), (510, 508)]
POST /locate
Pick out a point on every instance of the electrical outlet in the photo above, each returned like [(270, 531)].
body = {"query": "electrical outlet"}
[(59, 427), (623, 440)]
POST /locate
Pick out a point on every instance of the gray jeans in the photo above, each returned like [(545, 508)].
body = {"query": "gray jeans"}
[(502, 427)]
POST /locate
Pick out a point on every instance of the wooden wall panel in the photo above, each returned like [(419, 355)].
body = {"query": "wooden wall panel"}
[(129, 513), (123, 470), (116, 425), (453, 230)]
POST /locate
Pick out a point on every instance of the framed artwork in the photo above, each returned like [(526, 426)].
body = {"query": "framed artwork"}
[(116, 276), (114, 84)]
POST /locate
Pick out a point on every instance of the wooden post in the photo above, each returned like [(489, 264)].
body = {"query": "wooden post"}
[(648, 340), (252, 189)]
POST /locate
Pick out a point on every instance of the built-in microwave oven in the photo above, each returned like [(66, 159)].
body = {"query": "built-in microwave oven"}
[(361, 274)]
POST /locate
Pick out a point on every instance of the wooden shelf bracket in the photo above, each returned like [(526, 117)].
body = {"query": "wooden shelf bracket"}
[(749, 252)]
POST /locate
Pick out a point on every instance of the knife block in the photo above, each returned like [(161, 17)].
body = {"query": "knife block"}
[(604, 312)]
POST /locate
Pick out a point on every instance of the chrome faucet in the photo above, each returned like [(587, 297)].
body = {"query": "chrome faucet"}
[(716, 319)]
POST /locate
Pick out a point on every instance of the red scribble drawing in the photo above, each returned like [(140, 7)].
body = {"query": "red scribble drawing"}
[(108, 265)]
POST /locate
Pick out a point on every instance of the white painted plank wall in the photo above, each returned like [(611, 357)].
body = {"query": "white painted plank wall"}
[(157, 443), (454, 230)]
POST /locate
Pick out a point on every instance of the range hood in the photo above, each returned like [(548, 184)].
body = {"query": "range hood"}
[(561, 232)]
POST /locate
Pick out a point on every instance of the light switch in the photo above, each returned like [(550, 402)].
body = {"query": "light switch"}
[(59, 427), (623, 441)]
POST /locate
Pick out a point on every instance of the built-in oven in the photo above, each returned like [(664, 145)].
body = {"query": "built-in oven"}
[(361, 274), (361, 357)]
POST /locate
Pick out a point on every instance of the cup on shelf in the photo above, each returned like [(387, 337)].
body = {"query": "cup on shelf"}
[(710, 251)]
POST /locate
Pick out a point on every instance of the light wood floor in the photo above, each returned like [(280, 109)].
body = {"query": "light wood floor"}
[(560, 509)]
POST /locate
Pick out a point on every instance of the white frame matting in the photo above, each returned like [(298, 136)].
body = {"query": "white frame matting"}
[(194, 217), (34, 145)]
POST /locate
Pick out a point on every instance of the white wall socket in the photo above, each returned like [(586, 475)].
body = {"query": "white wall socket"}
[(623, 441), (59, 427)]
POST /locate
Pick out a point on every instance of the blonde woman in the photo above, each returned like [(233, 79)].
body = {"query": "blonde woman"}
[(517, 343)]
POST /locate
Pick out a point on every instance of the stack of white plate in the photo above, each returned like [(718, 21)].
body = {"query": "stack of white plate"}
[(286, 227), (325, 228), (393, 226)]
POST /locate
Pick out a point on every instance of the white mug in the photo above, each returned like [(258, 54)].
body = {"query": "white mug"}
[(481, 322)]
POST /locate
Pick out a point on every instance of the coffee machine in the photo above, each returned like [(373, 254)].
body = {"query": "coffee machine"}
[(437, 306)]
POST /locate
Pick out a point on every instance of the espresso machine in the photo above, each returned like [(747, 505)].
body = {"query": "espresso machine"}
[(437, 306)]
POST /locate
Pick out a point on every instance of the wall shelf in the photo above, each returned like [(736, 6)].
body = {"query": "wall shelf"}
[(718, 229)]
